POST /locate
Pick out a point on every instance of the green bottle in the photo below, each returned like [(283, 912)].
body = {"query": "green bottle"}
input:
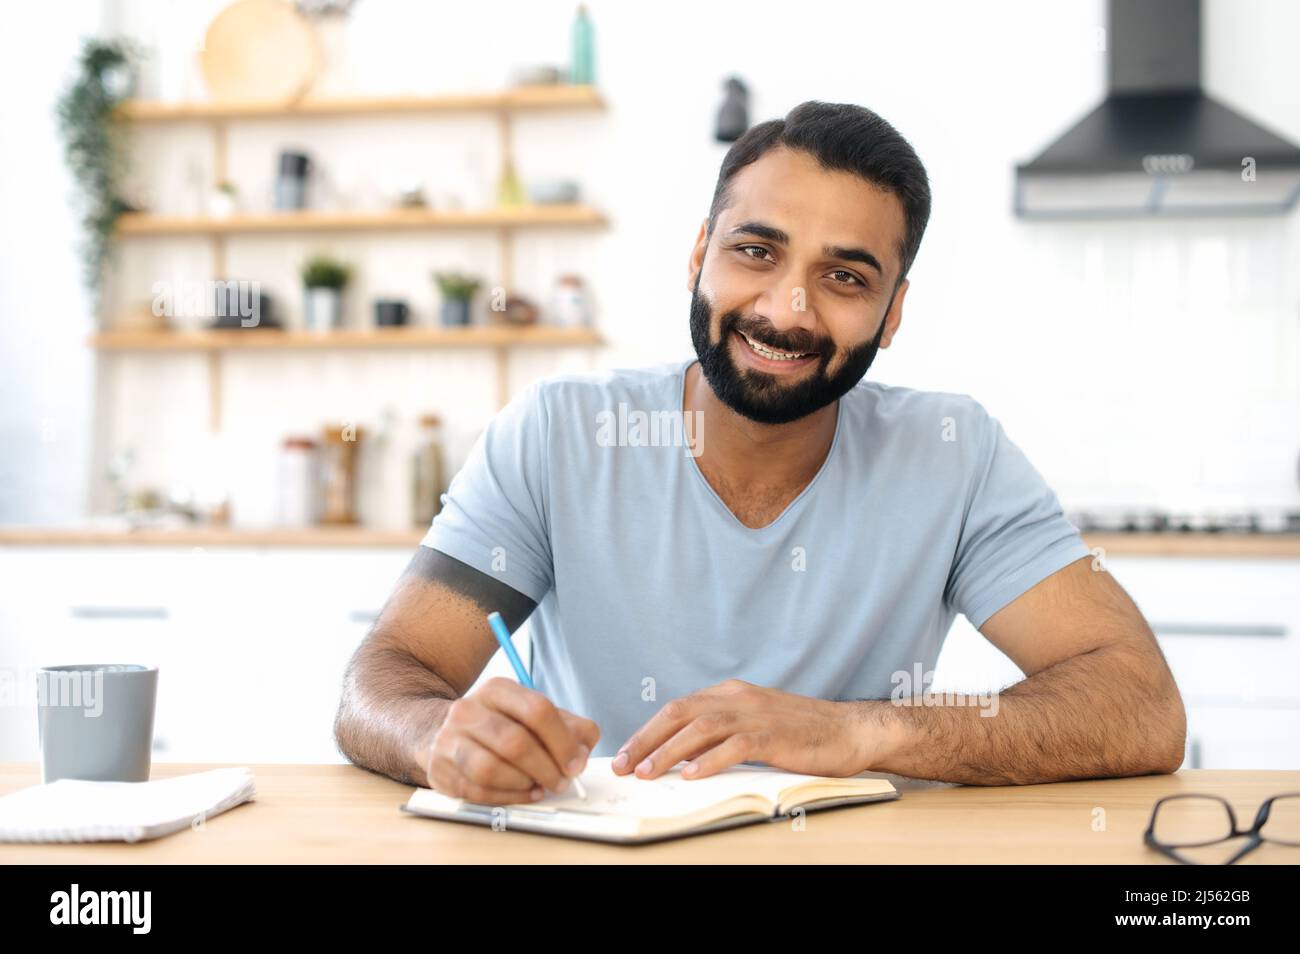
[(582, 56), (509, 189)]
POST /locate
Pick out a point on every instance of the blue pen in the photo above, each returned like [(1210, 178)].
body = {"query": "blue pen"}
[(502, 634)]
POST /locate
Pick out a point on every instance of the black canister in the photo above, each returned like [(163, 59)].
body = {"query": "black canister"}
[(391, 314), (291, 183)]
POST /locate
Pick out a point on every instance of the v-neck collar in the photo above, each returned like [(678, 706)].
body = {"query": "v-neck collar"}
[(780, 518)]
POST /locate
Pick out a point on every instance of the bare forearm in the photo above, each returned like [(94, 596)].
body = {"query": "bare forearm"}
[(430, 639), (1112, 712), (391, 704)]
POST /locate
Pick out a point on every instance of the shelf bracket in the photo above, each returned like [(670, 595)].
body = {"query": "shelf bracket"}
[(214, 391), (503, 376)]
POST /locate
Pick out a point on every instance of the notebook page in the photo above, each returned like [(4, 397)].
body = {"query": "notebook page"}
[(669, 794)]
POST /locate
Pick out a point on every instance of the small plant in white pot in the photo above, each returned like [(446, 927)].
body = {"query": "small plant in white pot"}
[(223, 202), (323, 280)]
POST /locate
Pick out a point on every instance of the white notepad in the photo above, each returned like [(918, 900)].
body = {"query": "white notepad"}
[(71, 810), (628, 809)]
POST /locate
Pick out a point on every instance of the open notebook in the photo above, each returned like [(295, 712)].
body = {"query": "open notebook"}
[(627, 809)]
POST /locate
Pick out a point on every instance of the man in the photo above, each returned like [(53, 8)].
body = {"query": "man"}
[(750, 584)]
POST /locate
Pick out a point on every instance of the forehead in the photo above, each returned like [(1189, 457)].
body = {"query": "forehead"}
[(790, 190)]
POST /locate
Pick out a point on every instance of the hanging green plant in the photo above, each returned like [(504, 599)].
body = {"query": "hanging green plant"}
[(94, 142)]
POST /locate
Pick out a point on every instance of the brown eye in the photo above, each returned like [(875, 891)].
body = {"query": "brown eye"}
[(852, 279), (745, 250)]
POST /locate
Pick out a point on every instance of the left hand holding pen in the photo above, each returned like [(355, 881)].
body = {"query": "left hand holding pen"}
[(736, 721)]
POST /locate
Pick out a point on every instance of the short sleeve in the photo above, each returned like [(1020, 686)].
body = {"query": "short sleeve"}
[(1014, 533), (494, 513)]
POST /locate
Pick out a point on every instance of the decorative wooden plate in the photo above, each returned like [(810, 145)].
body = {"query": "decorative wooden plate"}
[(260, 50)]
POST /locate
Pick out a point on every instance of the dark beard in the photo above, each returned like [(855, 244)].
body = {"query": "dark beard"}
[(762, 397)]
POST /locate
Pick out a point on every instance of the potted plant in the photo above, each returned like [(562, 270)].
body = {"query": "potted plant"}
[(223, 201), (457, 290), (94, 142), (324, 279)]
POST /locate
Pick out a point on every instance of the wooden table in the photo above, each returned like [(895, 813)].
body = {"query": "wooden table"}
[(339, 813)]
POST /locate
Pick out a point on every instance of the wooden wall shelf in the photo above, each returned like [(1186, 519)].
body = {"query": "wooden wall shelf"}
[(265, 339), (500, 106), (521, 99), (506, 217), (499, 339)]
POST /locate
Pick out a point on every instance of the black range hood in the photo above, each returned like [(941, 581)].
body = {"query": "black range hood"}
[(1157, 145)]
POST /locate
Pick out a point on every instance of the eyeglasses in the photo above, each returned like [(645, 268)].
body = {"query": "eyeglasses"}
[(1194, 821)]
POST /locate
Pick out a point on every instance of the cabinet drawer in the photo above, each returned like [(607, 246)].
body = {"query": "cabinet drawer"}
[(1232, 670), (1230, 598), (1243, 737), (1230, 629)]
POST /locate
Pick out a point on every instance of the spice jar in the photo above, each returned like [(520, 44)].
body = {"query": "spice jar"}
[(426, 471), (338, 474), (296, 501)]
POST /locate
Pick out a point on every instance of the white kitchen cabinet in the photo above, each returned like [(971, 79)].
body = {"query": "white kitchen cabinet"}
[(970, 663), (1238, 737), (251, 643), (321, 607), (72, 606), (1230, 630)]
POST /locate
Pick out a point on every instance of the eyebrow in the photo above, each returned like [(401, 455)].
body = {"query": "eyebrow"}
[(772, 234)]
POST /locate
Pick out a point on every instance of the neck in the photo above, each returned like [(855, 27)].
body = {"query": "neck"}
[(746, 452)]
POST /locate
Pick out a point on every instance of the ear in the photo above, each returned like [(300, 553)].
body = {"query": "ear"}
[(696, 261), (895, 316)]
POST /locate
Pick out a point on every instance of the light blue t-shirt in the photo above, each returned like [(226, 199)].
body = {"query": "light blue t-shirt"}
[(649, 588)]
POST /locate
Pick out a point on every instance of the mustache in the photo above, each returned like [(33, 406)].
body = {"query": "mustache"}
[(760, 330)]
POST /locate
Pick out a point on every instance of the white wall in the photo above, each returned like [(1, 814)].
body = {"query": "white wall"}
[(1136, 362), (45, 370)]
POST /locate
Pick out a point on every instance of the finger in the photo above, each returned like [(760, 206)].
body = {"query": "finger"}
[(448, 777), (705, 730), (535, 712), (478, 762), (698, 752), (733, 750), (583, 729), (471, 725), (457, 786), (588, 732), (514, 744), (482, 795), (658, 729)]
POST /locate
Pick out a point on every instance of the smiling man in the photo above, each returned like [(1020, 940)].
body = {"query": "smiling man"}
[(761, 593)]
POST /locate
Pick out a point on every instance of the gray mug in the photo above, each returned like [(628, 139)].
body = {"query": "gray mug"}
[(96, 721)]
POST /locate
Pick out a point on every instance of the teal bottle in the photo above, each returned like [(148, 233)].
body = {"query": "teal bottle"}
[(582, 55)]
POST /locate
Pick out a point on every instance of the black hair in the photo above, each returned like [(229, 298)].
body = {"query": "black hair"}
[(846, 137)]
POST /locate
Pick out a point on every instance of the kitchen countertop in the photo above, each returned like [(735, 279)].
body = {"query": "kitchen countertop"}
[(209, 536), (1165, 544)]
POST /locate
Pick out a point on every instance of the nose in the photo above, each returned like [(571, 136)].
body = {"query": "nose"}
[(785, 304)]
